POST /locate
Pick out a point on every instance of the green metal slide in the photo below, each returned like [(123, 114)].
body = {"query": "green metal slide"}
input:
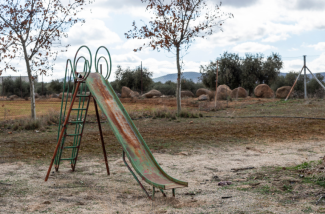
[(128, 135)]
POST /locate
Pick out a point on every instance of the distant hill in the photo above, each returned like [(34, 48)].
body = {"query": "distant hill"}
[(194, 76), (308, 74)]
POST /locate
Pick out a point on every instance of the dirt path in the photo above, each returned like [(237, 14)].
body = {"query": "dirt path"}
[(90, 190)]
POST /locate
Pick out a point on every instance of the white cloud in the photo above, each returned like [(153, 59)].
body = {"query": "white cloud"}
[(319, 46), (293, 49), (249, 47), (292, 65), (276, 37), (316, 66)]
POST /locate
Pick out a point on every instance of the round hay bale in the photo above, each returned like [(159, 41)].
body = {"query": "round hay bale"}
[(54, 95), (187, 94), (223, 92), (283, 92), (65, 95), (152, 93), (125, 93), (134, 94), (12, 97), (201, 91), (239, 93), (203, 97), (263, 91)]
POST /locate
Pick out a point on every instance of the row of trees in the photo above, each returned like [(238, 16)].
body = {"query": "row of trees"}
[(245, 72), (22, 89), (132, 78)]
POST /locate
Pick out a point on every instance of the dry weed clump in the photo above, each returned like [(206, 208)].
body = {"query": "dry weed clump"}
[(164, 112), (52, 118)]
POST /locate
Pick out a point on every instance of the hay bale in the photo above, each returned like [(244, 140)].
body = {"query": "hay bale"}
[(134, 94), (125, 93), (65, 95), (152, 93), (54, 95), (201, 91), (223, 92), (12, 97), (263, 91), (187, 94), (128, 93), (283, 92), (239, 93), (203, 97)]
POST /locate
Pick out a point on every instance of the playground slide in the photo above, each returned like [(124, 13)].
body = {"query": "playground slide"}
[(128, 135)]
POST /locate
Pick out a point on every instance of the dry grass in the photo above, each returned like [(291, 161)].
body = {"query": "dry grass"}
[(268, 144)]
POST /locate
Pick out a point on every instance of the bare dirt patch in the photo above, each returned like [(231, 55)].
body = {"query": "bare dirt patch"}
[(89, 189)]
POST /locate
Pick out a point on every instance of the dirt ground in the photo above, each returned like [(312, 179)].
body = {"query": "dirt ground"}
[(203, 151), (90, 190)]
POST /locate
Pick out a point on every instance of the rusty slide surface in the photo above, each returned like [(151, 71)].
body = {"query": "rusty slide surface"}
[(128, 135)]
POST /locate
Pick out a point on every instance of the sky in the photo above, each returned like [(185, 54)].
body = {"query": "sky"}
[(292, 28)]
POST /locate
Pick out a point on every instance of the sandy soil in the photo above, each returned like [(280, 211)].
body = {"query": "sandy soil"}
[(90, 190)]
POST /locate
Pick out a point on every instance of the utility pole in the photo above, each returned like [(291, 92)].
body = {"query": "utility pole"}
[(141, 79), (3, 88), (305, 78), (215, 98), (42, 85), (21, 91)]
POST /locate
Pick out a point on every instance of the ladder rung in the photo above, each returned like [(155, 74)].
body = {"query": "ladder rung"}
[(68, 158), (79, 109), (73, 135), (71, 147), (82, 95)]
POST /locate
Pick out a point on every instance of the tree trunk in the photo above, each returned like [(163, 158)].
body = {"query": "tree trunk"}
[(178, 90), (31, 83)]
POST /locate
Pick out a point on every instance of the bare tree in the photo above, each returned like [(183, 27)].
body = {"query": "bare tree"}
[(29, 29), (175, 25)]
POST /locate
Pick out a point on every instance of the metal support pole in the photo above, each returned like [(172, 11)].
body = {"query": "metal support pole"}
[(141, 77), (215, 97), (101, 69), (293, 85), (316, 79), (305, 78), (135, 176), (101, 136)]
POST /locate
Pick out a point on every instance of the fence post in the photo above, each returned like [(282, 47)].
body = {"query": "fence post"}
[(3, 88), (305, 78), (215, 97)]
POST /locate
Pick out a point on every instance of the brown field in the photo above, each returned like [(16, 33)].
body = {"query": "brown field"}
[(200, 150)]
